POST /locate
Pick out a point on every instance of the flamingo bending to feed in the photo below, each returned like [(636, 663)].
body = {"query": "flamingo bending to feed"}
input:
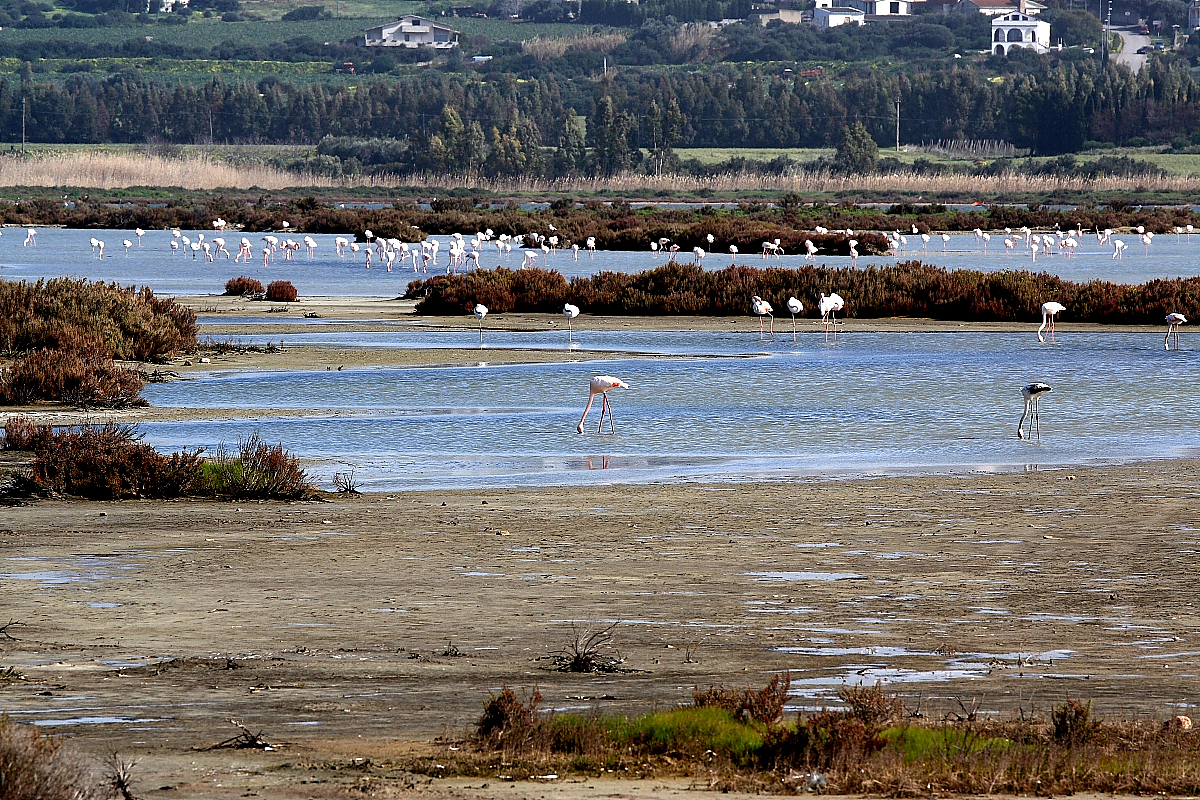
[(829, 306), (602, 385), (570, 312), (480, 312), (1049, 312), (763, 309), (30, 237), (1174, 320), (794, 306), (1031, 393), (128, 244)]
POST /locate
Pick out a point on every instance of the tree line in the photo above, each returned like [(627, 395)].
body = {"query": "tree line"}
[(1052, 108)]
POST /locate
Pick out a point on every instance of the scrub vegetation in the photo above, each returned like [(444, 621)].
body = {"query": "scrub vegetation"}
[(907, 289), (743, 740)]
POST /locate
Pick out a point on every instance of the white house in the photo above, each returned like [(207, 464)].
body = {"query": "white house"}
[(412, 31), (167, 6), (835, 15), (996, 8), (882, 8), (1017, 30)]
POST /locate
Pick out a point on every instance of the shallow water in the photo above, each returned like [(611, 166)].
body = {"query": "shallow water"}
[(874, 402), (64, 251)]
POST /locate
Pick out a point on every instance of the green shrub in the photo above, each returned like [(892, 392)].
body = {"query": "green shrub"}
[(259, 471)]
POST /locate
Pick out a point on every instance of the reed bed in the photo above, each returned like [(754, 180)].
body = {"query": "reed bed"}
[(545, 48), (97, 170), (808, 183)]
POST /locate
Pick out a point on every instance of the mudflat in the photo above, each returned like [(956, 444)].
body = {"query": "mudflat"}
[(353, 633)]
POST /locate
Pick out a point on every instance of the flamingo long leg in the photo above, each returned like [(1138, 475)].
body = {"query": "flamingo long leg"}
[(793, 327), (588, 408), (570, 331), (611, 426), (772, 316), (603, 407)]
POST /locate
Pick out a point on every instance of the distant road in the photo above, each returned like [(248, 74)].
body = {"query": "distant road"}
[(1131, 43)]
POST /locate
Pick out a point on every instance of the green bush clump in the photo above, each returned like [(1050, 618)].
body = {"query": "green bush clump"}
[(906, 289)]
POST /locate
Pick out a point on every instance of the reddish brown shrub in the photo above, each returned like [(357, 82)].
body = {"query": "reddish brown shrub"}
[(103, 319), (762, 705), (22, 433), (110, 462), (506, 720), (281, 292), (243, 285), (83, 379), (909, 288)]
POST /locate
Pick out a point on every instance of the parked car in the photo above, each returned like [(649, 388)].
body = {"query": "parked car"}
[(1141, 51)]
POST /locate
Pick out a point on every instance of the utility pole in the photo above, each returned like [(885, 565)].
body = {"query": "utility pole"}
[(1107, 32), (897, 123), (22, 126)]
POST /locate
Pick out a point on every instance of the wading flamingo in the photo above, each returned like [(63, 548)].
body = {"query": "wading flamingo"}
[(1049, 312), (480, 312), (1174, 320), (128, 244), (1031, 393), (30, 237), (139, 233), (602, 385), (829, 306), (570, 312), (794, 306), (763, 309)]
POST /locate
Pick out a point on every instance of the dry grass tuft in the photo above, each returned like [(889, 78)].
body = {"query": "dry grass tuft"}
[(38, 767), (544, 48)]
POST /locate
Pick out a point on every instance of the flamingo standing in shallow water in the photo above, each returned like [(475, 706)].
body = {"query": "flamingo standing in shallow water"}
[(1031, 393), (763, 309), (570, 312), (829, 306), (1174, 320), (1049, 312), (30, 237), (733, 252), (794, 306), (602, 385), (480, 312)]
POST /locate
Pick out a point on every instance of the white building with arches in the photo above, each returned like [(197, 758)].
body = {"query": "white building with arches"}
[(1017, 30)]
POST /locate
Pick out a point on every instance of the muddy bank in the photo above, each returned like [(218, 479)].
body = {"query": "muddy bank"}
[(345, 629)]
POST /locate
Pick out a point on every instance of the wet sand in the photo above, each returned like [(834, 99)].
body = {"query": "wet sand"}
[(333, 627)]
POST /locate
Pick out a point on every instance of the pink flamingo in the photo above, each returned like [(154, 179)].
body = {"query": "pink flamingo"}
[(1049, 312), (1174, 320), (602, 385)]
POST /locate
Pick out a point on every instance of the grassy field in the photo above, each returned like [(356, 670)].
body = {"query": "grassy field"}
[(200, 32), (1174, 163)]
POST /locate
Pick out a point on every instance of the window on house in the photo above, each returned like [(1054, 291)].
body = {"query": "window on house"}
[(895, 8)]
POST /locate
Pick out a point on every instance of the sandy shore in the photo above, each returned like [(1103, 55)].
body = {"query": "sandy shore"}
[(1002, 592)]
